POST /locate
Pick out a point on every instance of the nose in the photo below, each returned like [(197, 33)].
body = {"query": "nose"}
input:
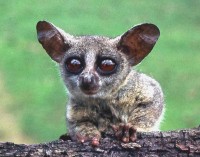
[(87, 79), (89, 82)]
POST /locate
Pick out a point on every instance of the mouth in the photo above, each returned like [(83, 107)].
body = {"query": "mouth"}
[(90, 91)]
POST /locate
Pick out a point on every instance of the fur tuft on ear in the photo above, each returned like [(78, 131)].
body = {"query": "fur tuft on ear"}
[(138, 42), (52, 40)]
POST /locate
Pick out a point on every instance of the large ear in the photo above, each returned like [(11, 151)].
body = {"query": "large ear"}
[(138, 42), (52, 40)]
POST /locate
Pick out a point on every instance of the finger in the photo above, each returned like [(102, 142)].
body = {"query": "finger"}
[(115, 128), (121, 125), (80, 138), (133, 134), (125, 139), (133, 129), (119, 134), (126, 131), (133, 138), (95, 142)]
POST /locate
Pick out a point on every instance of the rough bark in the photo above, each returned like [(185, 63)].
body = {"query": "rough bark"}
[(153, 144)]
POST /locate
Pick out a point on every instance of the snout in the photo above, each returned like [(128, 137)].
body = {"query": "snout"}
[(89, 83)]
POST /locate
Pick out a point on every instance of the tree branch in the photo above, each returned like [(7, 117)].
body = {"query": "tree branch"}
[(170, 143)]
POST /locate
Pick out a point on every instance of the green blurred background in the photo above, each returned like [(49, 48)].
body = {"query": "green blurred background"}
[(32, 95)]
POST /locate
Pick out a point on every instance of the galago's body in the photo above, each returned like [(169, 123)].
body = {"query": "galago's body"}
[(104, 90)]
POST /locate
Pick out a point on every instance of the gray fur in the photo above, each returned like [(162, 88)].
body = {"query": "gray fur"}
[(125, 96)]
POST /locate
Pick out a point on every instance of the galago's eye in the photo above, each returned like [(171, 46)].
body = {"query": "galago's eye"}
[(106, 66), (74, 65)]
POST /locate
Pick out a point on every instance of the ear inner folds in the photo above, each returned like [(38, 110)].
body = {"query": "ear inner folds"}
[(138, 42), (51, 40)]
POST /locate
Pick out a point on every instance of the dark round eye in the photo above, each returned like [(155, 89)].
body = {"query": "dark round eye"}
[(74, 65), (106, 66)]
